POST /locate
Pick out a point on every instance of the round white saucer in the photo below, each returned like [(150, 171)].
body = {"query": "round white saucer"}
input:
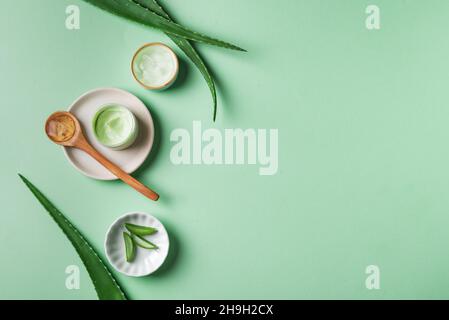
[(85, 107), (146, 261)]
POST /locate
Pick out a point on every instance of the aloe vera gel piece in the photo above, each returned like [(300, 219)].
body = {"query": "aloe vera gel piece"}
[(130, 248), (136, 238), (144, 243), (140, 230)]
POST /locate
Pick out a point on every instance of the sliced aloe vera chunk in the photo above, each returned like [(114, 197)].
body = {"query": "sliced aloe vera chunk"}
[(130, 248), (140, 230), (144, 243)]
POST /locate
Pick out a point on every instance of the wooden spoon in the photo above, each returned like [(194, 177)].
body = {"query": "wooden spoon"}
[(63, 128)]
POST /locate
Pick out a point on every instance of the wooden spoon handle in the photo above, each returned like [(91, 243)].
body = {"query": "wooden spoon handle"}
[(119, 173)]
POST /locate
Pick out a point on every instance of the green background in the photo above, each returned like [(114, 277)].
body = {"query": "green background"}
[(363, 155)]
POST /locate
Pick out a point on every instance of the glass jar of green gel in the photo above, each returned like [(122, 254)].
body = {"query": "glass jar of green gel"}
[(115, 126)]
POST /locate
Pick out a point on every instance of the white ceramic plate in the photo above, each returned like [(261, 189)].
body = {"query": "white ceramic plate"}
[(146, 261), (85, 107)]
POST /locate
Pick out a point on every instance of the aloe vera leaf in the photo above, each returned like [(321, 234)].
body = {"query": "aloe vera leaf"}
[(144, 243), (130, 248), (104, 282), (133, 11), (187, 48), (140, 230)]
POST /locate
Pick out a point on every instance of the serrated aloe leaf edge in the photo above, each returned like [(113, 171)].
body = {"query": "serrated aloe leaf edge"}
[(187, 48), (131, 10), (104, 282)]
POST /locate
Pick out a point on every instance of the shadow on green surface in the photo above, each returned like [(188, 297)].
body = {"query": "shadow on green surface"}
[(182, 74), (173, 254)]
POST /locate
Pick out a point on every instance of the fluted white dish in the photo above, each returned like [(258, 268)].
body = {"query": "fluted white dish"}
[(146, 261)]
